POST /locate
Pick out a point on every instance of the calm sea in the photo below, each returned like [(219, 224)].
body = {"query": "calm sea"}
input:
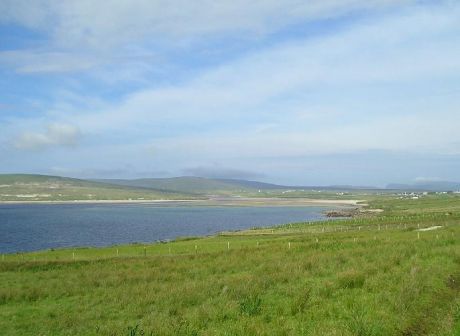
[(43, 226)]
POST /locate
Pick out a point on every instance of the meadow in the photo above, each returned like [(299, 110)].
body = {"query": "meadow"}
[(376, 274)]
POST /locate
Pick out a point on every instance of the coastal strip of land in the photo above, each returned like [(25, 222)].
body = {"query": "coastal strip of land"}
[(221, 201)]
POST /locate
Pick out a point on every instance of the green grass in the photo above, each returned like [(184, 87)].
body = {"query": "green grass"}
[(364, 276)]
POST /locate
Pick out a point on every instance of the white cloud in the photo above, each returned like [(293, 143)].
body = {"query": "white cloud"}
[(31, 14), (378, 84), (414, 133), (325, 79), (35, 61), (85, 34), (405, 50), (101, 23), (54, 135)]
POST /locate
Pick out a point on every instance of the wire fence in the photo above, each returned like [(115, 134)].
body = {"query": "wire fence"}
[(289, 236)]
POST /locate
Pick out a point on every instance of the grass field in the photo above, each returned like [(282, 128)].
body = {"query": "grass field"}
[(375, 275)]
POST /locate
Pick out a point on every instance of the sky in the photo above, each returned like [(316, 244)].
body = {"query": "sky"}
[(319, 92)]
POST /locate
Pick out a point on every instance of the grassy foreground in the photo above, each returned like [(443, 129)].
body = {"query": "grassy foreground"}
[(364, 276)]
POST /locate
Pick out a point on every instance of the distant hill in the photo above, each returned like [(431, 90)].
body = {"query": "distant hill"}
[(253, 184), (197, 185), (427, 186), (343, 187), (29, 187), (202, 185)]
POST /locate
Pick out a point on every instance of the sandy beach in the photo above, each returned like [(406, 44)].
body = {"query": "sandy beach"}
[(230, 201)]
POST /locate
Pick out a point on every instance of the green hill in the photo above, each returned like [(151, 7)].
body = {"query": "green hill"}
[(29, 187), (198, 185)]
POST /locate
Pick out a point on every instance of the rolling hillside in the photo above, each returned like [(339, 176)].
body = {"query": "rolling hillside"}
[(28, 187), (197, 185)]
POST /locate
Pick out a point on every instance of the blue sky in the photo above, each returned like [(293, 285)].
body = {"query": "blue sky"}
[(316, 92)]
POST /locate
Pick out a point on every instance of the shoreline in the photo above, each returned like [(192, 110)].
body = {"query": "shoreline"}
[(333, 205), (179, 238), (97, 202), (230, 201)]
